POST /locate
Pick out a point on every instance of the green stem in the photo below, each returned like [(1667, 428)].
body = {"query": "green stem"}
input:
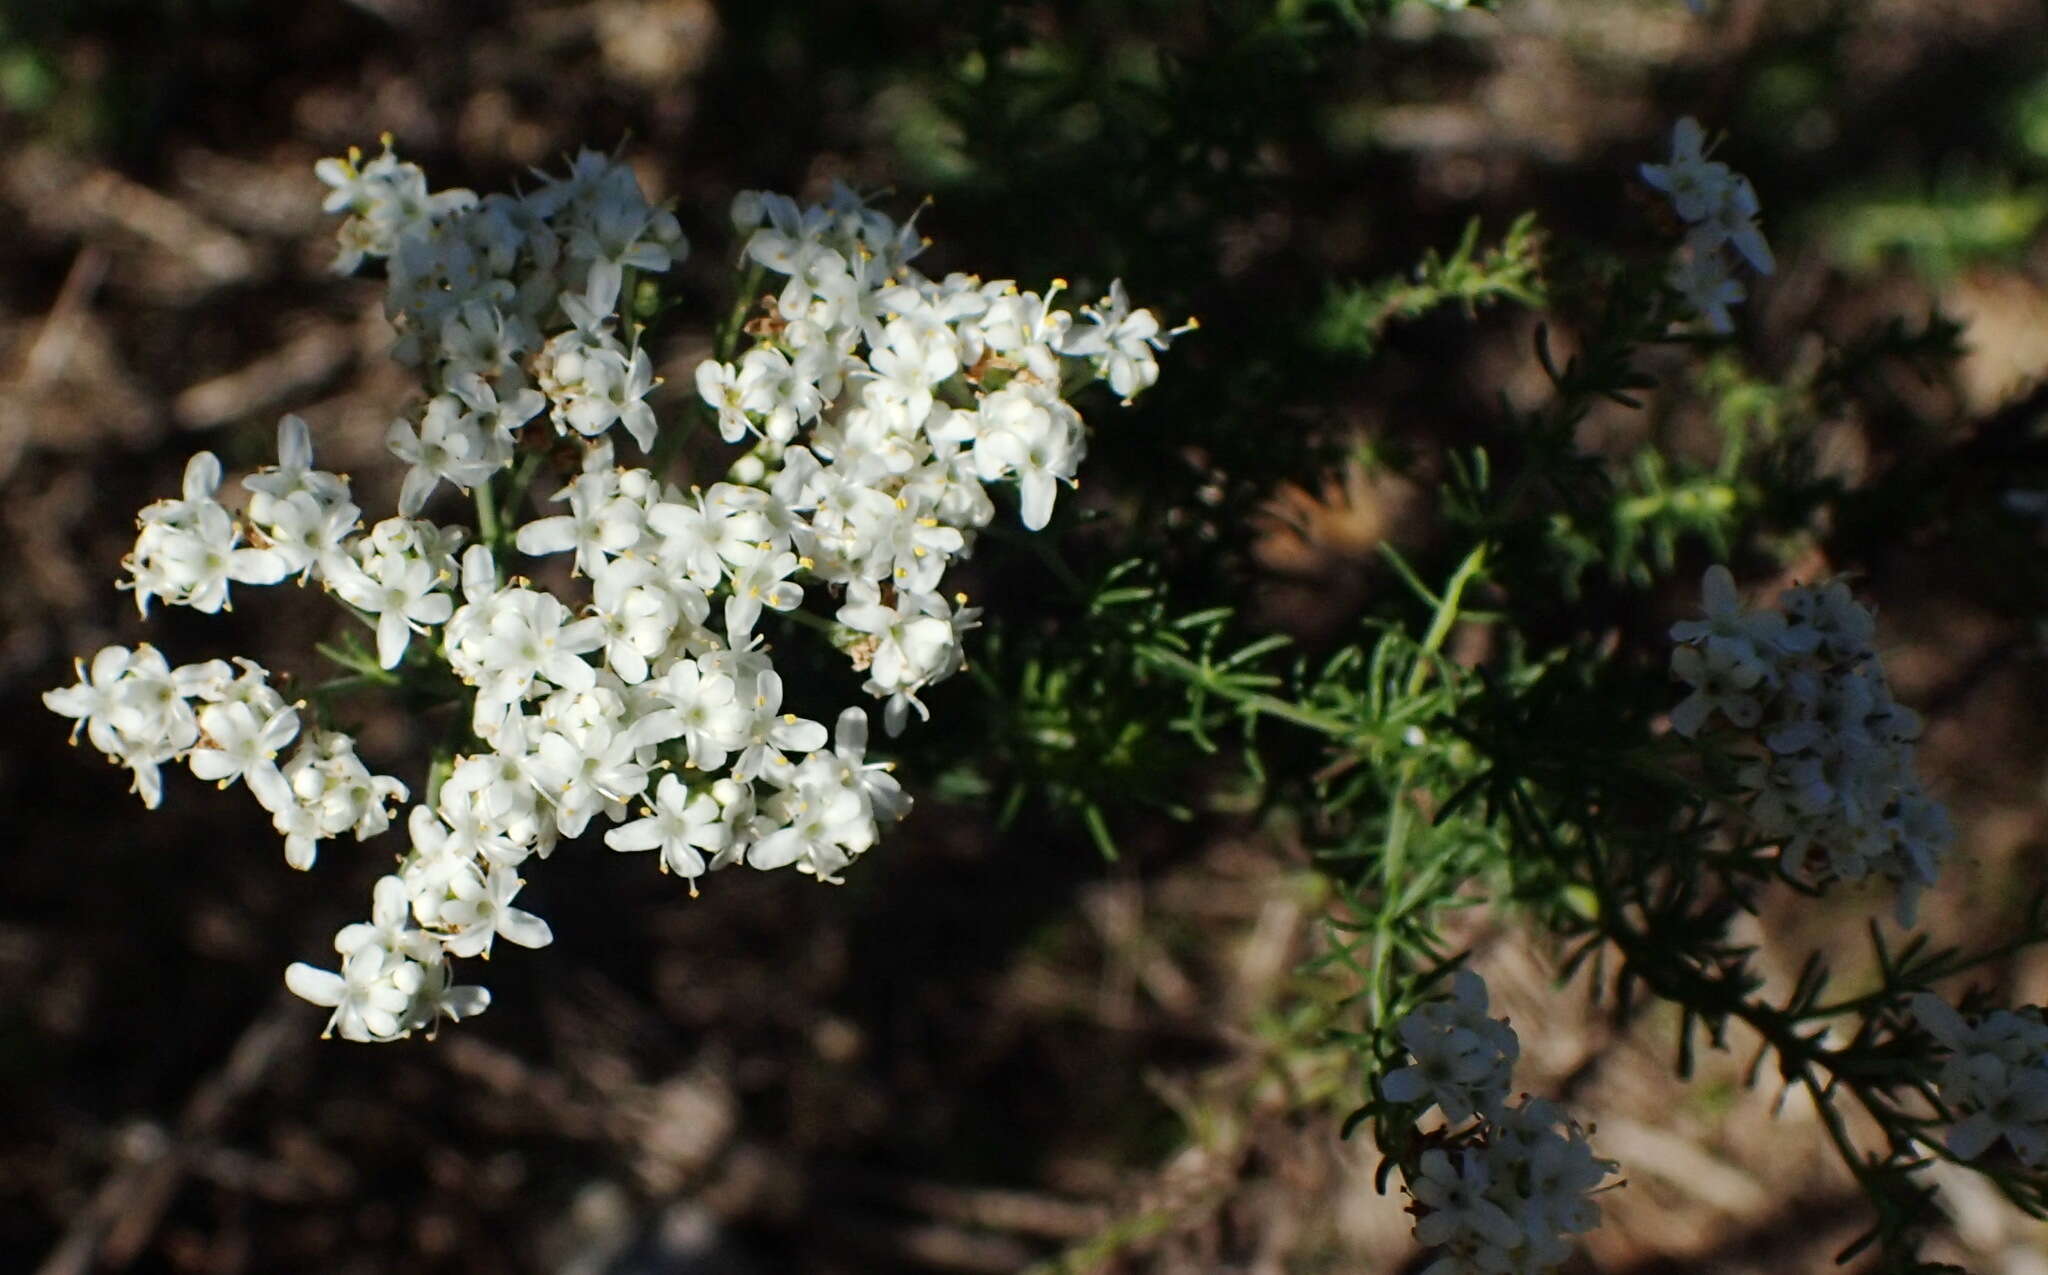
[(487, 512), (360, 663), (1394, 849), (1253, 702), (726, 341), (1801, 1054), (354, 682), (629, 293), (515, 493), (810, 620), (1446, 615), (1934, 970)]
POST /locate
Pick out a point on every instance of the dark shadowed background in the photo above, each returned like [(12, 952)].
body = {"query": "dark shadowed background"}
[(993, 1047)]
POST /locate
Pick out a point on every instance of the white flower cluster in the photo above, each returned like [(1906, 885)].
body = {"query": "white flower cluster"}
[(884, 404), (1463, 1062), (395, 978), (1995, 1078), (1832, 780), (916, 393), (505, 305), (1504, 1196), (188, 550), (226, 725), (1719, 207)]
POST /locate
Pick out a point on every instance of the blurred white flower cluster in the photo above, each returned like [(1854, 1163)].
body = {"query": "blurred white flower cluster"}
[(1995, 1078), (1831, 777), (1504, 1195), (1463, 1061), (1719, 208), (882, 405)]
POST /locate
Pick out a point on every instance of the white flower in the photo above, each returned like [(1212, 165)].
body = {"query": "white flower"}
[(496, 419), (784, 393), (1122, 342), (1830, 775), (761, 582), (1545, 1175), (332, 793), (1995, 1078), (510, 639), (478, 341), (1034, 438), (1695, 184), (372, 997), (236, 743), (825, 823), (701, 537), (293, 472), (438, 996), (885, 797), (718, 384), (586, 772), (912, 642), (188, 550), (1702, 278), (714, 723), (403, 592), (1719, 680), (306, 535), (1749, 636), (135, 709), (385, 965), (600, 523), (446, 445), (640, 611), (479, 910), (1456, 1207), (1025, 331), (620, 229), (770, 731), (1732, 221), (1463, 1060), (679, 824), (614, 390), (1720, 209)]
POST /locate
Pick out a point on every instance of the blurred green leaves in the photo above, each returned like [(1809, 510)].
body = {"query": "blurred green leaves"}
[(1963, 220), (1355, 316)]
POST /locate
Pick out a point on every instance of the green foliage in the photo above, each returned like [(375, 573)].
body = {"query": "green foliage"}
[(1354, 317), (1533, 778), (1484, 731), (1962, 221), (1069, 726)]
